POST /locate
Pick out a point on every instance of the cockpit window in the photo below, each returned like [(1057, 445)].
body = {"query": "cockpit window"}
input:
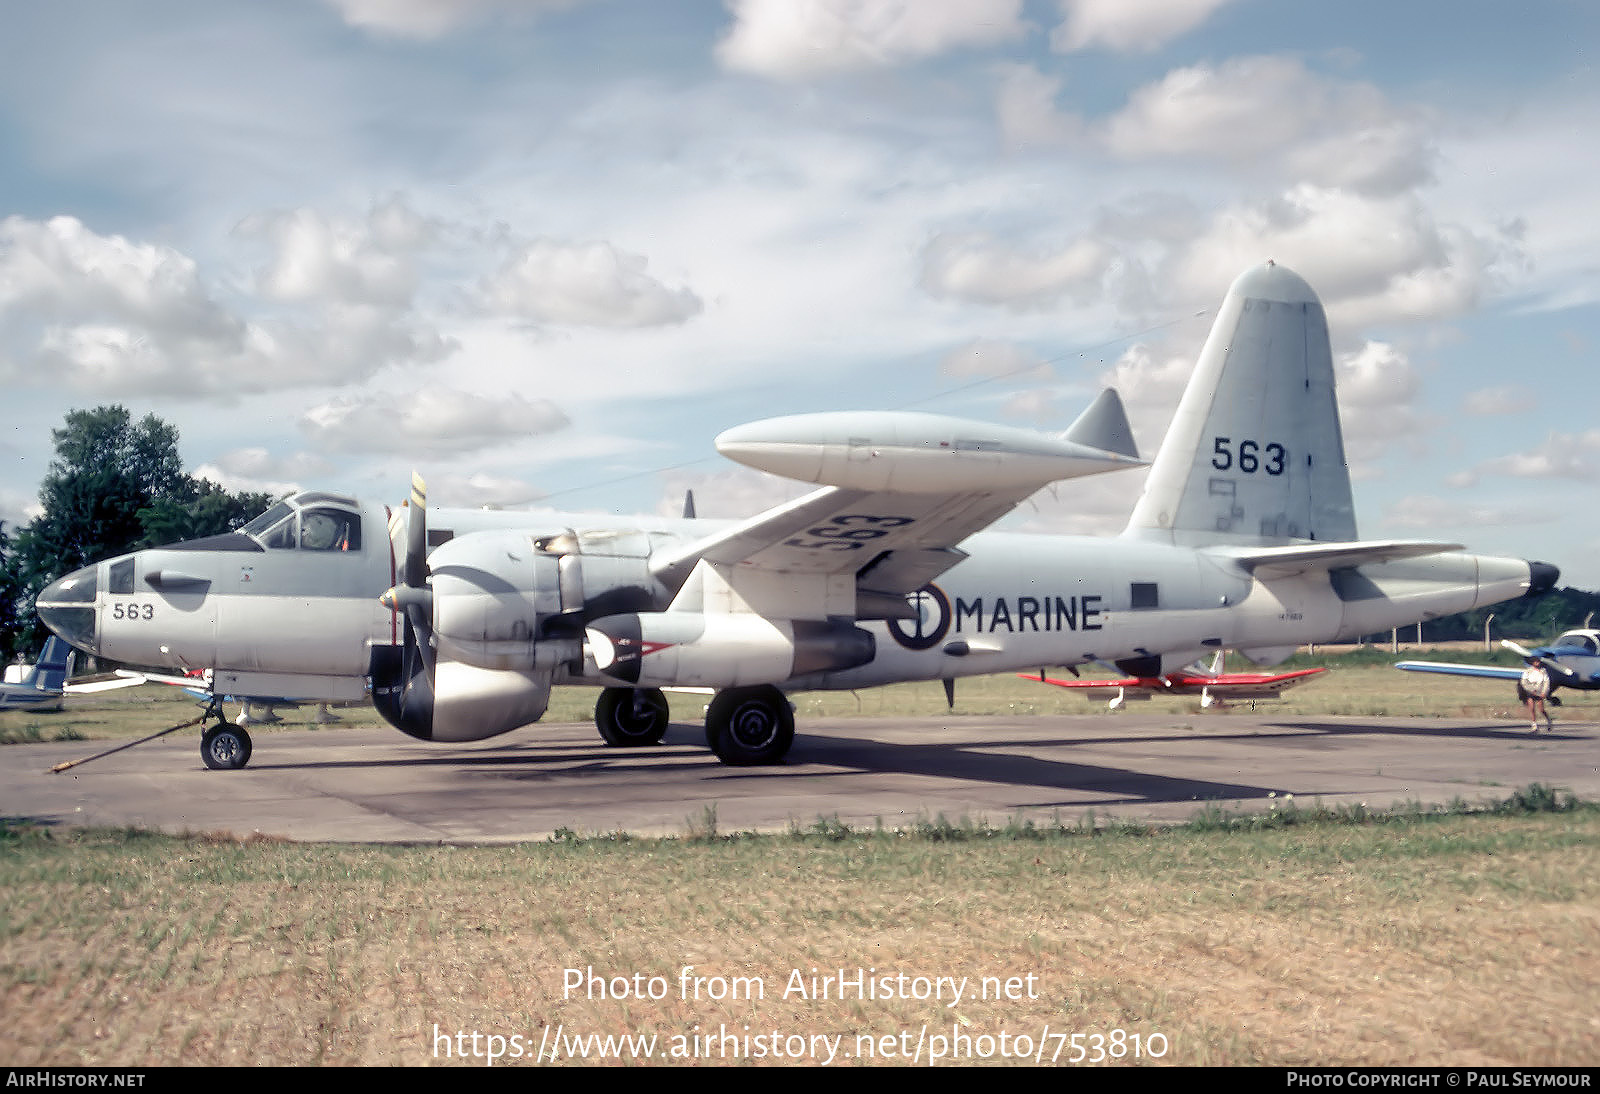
[(329, 530), (289, 525), (282, 536), (1578, 640), (267, 520)]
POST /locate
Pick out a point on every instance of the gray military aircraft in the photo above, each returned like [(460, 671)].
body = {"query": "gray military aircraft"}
[(458, 623)]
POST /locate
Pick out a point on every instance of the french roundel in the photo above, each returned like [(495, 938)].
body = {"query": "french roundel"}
[(931, 624)]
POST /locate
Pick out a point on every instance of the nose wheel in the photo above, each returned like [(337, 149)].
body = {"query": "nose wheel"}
[(225, 747)]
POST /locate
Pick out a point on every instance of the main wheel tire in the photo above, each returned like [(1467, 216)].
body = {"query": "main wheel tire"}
[(225, 747), (632, 718), (750, 726)]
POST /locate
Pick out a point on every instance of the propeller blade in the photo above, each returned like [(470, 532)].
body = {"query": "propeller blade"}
[(422, 633), (417, 533), (1528, 655)]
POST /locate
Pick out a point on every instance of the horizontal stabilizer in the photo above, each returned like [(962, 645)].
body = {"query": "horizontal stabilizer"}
[(1271, 562), (1104, 425)]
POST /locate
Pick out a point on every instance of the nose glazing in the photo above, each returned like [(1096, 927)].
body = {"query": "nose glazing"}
[(67, 607)]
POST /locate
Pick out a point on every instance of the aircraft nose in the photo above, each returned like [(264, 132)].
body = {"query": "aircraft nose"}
[(1542, 577), (67, 608)]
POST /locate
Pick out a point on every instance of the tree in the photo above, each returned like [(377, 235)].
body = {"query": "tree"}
[(10, 593), (202, 509), (115, 486), (106, 469)]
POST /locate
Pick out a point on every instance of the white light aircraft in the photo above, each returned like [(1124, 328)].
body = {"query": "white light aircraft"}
[(1573, 661), (1244, 538), (43, 685)]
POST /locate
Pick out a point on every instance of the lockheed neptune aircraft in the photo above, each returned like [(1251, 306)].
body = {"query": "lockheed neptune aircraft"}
[(1244, 538), (1573, 661)]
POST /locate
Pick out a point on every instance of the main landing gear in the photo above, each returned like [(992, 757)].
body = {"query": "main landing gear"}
[(745, 727), (632, 717)]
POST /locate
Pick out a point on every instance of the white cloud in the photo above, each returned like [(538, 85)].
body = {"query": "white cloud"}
[(479, 490), (1378, 388), (1272, 112), (977, 268), (1371, 260), (793, 39), (992, 357), (429, 420), (259, 471), (424, 19), (60, 270), (1027, 111), (1561, 456), (1498, 400), (316, 257), (1427, 513), (731, 494), (107, 315), (586, 284), (1128, 26)]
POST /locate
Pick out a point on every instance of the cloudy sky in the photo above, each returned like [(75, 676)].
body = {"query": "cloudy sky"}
[(543, 250)]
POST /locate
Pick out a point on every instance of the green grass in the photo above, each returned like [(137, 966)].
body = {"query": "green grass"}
[(1336, 936)]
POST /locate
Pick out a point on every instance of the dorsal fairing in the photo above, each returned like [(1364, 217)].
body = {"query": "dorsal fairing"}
[(1255, 453)]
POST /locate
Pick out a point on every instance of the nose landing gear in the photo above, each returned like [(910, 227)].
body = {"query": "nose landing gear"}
[(225, 747)]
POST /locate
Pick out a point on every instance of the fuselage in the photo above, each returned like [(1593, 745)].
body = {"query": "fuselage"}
[(282, 609)]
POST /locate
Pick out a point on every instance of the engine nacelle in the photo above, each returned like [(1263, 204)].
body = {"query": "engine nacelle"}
[(500, 614), (461, 702), (493, 595), (470, 704), (723, 650)]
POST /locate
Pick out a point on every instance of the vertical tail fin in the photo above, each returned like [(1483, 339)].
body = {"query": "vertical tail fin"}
[(50, 673), (1255, 454)]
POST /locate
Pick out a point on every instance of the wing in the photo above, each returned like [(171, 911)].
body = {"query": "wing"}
[(901, 492), (887, 544), (1251, 685), (1446, 668), (1241, 685)]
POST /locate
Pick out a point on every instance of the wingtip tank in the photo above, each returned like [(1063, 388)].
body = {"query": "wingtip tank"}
[(912, 452)]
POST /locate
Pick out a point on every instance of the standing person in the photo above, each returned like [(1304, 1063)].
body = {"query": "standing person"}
[(1533, 689)]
